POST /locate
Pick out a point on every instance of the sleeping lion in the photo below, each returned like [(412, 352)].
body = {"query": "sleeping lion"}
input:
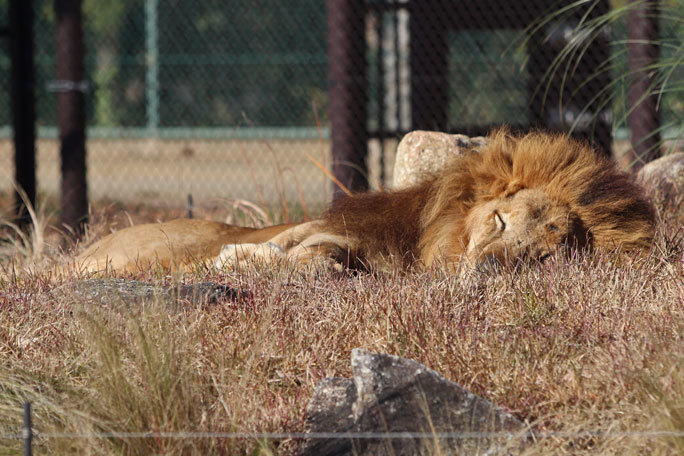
[(525, 197)]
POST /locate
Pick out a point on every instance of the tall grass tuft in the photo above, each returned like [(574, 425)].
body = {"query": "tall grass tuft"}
[(29, 245)]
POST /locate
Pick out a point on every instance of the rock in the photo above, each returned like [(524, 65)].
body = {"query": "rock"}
[(330, 410), (422, 154), (664, 177), (115, 291), (398, 395)]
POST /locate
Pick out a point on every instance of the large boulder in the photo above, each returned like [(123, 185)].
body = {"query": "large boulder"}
[(422, 154), (664, 177), (394, 395)]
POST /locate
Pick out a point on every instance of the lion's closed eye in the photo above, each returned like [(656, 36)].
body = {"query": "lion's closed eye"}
[(500, 223)]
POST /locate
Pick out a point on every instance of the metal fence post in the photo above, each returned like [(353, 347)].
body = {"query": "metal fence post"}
[(23, 104), (71, 112), (643, 101), (152, 66), (27, 431), (347, 91), (429, 27)]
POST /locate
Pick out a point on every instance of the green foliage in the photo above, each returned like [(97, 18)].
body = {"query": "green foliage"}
[(667, 73), (244, 63), (489, 87), (237, 63)]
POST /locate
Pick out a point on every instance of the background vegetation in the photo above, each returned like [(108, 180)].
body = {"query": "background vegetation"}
[(242, 63)]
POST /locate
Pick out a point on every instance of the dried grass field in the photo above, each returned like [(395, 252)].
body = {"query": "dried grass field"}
[(574, 345)]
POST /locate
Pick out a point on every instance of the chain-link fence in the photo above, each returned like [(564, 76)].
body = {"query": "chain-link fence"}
[(230, 99)]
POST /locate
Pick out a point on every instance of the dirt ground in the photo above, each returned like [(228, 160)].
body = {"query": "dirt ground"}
[(165, 172)]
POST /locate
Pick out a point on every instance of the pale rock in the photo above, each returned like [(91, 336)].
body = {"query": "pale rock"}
[(422, 154), (664, 177)]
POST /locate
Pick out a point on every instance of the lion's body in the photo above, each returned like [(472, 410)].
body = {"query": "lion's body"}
[(169, 245), (519, 197)]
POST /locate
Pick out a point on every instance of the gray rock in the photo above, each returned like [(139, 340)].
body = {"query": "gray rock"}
[(398, 395), (422, 154), (116, 292), (330, 410), (664, 177)]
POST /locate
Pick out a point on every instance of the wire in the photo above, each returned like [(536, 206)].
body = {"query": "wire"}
[(349, 435)]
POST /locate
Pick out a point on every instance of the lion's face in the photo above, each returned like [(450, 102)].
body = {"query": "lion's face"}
[(525, 226)]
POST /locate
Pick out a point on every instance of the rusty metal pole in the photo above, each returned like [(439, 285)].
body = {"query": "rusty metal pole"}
[(71, 88), (23, 104), (644, 120), (347, 88)]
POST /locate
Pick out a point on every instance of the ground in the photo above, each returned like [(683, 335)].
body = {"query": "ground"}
[(574, 345), (164, 172)]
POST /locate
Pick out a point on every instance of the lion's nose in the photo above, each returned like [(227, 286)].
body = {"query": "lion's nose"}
[(492, 264), (489, 264)]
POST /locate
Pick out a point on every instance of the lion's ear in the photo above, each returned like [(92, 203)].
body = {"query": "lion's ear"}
[(512, 188)]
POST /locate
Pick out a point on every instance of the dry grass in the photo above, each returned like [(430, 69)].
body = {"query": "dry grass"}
[(573, 345)]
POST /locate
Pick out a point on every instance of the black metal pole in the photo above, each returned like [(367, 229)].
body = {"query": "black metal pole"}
[(643, 54), (23, 104), (347, 83), (70, 87), (429, 64), (27, 431)]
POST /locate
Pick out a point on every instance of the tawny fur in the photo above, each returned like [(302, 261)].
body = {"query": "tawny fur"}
[(171, 245), (519, 197)]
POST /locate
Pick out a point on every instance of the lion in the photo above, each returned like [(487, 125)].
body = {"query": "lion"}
[(519, 198)]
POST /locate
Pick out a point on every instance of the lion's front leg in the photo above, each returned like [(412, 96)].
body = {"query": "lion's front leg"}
[(304, 244), (301, 245), (233, 254)]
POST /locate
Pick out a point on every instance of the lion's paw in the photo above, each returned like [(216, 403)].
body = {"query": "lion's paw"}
[(232, 254)]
